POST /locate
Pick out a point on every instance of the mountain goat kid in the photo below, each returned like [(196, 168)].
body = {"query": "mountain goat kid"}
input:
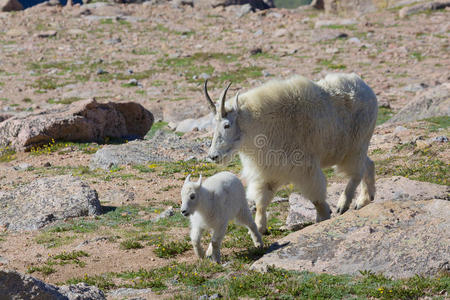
[(211, 205), (286, 131)]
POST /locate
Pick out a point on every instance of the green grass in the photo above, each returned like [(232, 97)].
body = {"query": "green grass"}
[(125, 76), (46, 270), (62, 147), (199, 63), (341, 27), (155, 127), (7, 154), (234, 281), (291, 3), (69, 100), (240, 75), (427, 168), (75, 225), (61, 259), (328, 63), (164, 29), (384, 114), (171, 249), (130, 244), (438, 122), (193, 167), (285, 191), (417, 55), (65, 258), (51, 240)]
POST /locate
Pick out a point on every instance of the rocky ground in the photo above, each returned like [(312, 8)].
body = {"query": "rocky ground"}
[(158, 56)]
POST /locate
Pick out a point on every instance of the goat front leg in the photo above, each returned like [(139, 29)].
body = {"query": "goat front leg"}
[(261, 194), (196, 237)]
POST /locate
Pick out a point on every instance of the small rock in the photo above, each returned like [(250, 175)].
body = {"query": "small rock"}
[(280, 32), (3, 261), (440, 139), (101, 71), (332, 50), (46, 34), (165, 214), (172, 125), (23, 167), (255, 51), (129, 71), (47, 165), (258, 32), (76, 32), (244, 10), (129, 293), (415, 87), (204, 76), (399, 129), (341, 22), (133, 82), (266, 74), (113, 41), (16, 32), (354, 40), (276, 15)]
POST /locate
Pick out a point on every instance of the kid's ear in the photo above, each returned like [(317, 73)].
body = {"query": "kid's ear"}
[(199, 182), (187, 179)]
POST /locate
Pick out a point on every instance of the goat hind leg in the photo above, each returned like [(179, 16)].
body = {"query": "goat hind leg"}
[(314, 187), (245, 218), (367, 193)]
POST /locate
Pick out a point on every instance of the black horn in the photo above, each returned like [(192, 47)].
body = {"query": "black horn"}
[(210, 102), (222, 100)]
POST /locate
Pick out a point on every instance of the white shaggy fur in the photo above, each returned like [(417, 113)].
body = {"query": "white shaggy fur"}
[(286, 131), (211, 205)]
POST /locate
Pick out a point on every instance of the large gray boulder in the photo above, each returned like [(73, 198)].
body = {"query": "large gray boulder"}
[(10, 5), (204, 123), (84, 121), (396, 188), (432, 102), (46, 200), (163, 146), (397, 238), (14, 285), (435, 5), (256, 4), (345, 7)]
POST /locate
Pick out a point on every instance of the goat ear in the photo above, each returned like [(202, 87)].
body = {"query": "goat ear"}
[(187, 179), (199, 182), (236, 102)]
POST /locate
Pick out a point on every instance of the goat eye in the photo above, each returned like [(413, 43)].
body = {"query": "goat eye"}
[(192, 196), (226, 126)]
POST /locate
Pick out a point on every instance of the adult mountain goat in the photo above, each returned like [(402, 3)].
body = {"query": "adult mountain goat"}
[(286, 131)]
